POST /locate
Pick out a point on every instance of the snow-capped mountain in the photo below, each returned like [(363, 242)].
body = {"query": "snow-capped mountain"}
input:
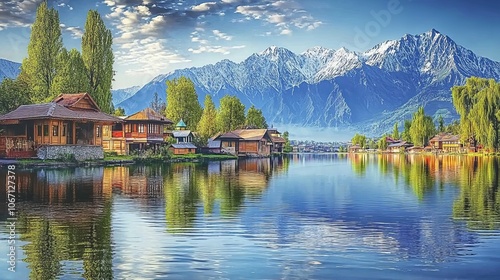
[(119, 95), (339, 88), (9, 69)]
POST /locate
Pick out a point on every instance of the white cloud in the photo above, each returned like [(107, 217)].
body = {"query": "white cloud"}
[(215, 49), (76, 32), (220, 35), (286, 32), (203, 7)]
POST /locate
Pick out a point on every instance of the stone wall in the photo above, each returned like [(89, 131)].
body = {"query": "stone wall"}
[(80, 152)]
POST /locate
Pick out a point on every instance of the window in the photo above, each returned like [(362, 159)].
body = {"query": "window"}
[(64, 129), (141, 128), (127, 128), (39, 130), (45, 130), (55, 130), (98, 131)]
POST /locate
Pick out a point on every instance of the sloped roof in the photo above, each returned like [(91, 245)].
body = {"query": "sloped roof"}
[(180, 124), (181, 133), (276, 139), (228, 135), (445, 137), (70, 99), (148, 114), (398, 144), (251, 134), (186, 145), (54, 110)]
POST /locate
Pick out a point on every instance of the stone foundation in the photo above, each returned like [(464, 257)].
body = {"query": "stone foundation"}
[(64, 152)]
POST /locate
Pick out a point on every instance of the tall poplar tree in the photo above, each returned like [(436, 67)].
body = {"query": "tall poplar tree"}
[(39, 67), (255, 118), (182, 102), (395, 132), (71, 76), (231, 113), (98, 57), (207, 127)]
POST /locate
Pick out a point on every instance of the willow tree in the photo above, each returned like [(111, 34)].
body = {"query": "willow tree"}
[(255, 118), (39, 67), (477, 104), (207, 127), (422, 127), (231, 113), (71, 76), (98, 57), (182, 102)]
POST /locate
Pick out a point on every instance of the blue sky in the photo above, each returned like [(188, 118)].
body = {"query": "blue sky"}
[(156, 37)]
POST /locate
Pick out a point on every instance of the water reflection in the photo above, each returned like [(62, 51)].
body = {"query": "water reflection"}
[(345, 212)]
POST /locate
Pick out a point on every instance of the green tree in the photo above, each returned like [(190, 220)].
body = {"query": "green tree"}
[(207, 127), (98, 57), (39, 67), (71, 76), (395, 132), (287, 148), (157, 105), (359, 139), (255, 118), (231, 113), (119, 112), (422, 128), (441, 126), (382, 143), (406, 132), (477, 104), (453, 128), (13, 93), (182, 102)]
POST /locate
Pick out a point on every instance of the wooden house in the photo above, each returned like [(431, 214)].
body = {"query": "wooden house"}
[(70, 119), (398, 147), (277, 140), (244, 142), (183, 148), (144, 129), (446, 142), (355, 148)]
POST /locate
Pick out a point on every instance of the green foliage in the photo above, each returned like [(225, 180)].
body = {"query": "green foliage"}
[(231, 113), (98, 58), (71, 76), (66, 157), (441, 126), (477, 102), (207, 127), (395, 132), (39, 67), (406, 132), (182, 102), (382, 143), (287, 148), (422, 128), (157, 105), (453, 128), (255, 118), (359, 139), (119, 112), (13, 93)]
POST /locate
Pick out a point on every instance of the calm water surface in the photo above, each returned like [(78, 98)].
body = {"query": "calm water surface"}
[(298, 217)]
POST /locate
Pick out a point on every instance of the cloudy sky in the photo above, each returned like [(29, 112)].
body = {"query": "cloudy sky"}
[(156, 37)]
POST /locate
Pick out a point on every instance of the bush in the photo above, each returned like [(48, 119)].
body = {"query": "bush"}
[(66, 157)]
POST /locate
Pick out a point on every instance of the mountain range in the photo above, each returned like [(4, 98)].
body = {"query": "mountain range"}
[(320, 87), (9, 69)]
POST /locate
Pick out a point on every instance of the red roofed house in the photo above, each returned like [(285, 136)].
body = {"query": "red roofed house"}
[(69, 120), (139, 131)]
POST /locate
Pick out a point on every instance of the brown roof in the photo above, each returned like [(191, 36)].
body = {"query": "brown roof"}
[(251, 134), (276, 139), (70, 99), (445, 137), (148, 114), (228, 135), (54, 110)]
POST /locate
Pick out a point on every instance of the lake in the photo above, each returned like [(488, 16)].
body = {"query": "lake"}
[(305, 216)]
